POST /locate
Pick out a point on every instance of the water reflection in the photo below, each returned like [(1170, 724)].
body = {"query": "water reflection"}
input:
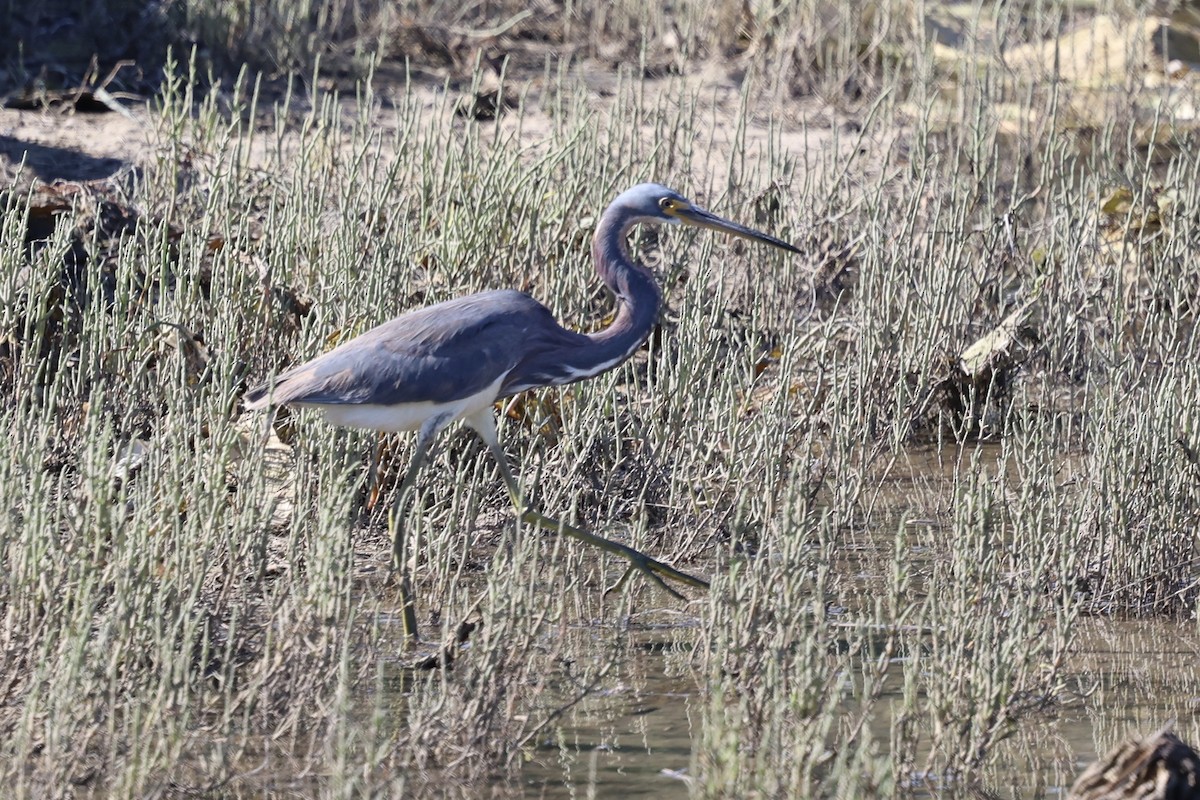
[(635, 738)]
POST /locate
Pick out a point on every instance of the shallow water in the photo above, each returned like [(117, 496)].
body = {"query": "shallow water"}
[(637, 743), (1124, 677), (1132, 677)]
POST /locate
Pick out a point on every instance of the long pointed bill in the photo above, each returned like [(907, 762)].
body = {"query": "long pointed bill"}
[(693, 215)]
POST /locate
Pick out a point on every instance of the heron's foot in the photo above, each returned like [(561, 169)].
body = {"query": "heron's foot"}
[(653, 576), (652, 568)]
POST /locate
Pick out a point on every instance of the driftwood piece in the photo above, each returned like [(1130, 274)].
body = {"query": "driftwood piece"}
[(1159, 767)]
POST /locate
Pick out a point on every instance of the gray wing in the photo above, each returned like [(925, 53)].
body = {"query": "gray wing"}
[(437, 354)]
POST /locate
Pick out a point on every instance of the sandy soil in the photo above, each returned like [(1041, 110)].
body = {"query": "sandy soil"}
[(50, 145), (75, 146)]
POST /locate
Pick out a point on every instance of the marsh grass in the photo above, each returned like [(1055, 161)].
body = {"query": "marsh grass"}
[(807, 47), (190, 607)]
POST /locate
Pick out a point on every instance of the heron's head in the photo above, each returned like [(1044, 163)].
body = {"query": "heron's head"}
[(651, 202)]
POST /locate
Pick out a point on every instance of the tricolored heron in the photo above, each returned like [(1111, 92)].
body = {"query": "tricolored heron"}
[(452, 361)]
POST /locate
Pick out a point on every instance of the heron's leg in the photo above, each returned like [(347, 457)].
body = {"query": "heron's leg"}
[(485, 425), (374, 486), (425, 438)]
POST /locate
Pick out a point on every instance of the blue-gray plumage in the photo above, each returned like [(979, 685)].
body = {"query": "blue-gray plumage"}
[(436, 354), (428, 368)]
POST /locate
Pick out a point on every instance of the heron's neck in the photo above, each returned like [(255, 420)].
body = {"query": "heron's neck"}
[(637, 293), (638, 301)]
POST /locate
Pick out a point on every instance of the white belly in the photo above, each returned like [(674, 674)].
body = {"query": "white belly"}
[(406, 416)]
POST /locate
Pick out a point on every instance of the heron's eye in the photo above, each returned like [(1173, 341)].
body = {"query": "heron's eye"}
[(666, 204)]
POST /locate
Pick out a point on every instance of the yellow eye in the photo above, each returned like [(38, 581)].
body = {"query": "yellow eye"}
[(666, 204)]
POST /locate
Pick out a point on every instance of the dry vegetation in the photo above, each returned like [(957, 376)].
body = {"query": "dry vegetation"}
[(912, 463)]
